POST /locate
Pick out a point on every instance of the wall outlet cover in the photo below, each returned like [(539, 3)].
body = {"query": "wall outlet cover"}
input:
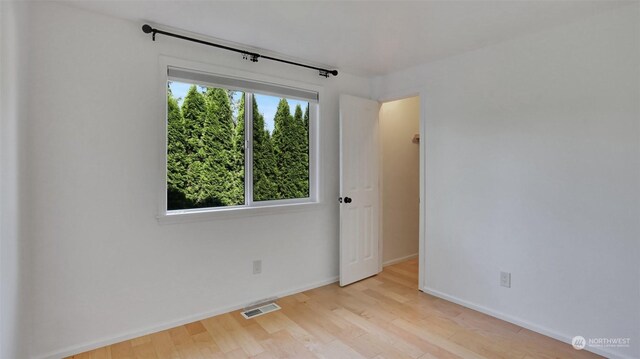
[(257, 266), (505, 279)]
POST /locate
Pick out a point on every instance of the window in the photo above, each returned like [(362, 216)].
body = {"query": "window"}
[(233, 143)]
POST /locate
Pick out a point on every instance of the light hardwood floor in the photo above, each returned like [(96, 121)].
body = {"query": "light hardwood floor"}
[(381, 317)]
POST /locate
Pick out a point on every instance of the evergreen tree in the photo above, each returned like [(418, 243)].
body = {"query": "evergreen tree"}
[(280, 147), (194, 108), (265, 172), (199, 184), (301, 157), (219, 146), (306, 120), (176, 158), (287, 143)]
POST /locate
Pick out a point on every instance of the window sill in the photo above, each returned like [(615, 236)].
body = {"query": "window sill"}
[(235, 212)]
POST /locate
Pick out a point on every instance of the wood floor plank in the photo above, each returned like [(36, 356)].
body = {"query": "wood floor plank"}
[(141, 340), (437, 340), (381, 317), (489, 347), (237, 354), (424, 345), (145, 351), (101, 353), (122, 350), (338, 350), (243, 337), (366, 345), (224, 339), (163, 345), (315, 325), (381, 334), (265, 355), (334, 323), (180, 336), (283, 345), (371, 346)]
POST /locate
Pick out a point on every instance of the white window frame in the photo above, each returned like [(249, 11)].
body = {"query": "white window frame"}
[(250, 207)]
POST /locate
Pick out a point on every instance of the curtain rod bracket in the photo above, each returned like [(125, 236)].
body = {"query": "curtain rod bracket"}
[(326, 73), (251, 56)]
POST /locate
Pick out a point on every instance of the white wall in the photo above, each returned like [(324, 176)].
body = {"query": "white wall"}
[(102, 265), (532, 167), (13, 59), (399, 122)]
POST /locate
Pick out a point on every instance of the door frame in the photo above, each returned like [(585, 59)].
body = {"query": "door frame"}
[(400, 95)]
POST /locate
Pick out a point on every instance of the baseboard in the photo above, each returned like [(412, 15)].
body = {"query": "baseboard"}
[(523, 323), (398, 260), (76, 349)]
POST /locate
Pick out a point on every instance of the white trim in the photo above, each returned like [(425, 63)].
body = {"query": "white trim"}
[(166, 61), (76, 349), (163, 65), (522, 323), (422, 236), (208, 79), (237, 212), (380, 192), (401, 259), (248, 150), (250, 208)]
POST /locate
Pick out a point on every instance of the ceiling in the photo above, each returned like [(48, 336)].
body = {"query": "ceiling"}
[(362, 38)]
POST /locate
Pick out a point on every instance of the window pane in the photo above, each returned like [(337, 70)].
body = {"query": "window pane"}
[(205, 147), (280, 148)]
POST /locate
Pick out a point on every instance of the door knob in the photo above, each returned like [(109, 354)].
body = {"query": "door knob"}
[(347, 200)]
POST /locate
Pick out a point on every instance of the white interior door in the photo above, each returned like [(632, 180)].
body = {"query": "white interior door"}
[(359, 194)]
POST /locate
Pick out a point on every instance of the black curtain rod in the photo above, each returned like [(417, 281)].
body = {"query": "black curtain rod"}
[(247, 55)]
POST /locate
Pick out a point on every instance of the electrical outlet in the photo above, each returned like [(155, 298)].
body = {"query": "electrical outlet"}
[(505, 279), (257, 266)]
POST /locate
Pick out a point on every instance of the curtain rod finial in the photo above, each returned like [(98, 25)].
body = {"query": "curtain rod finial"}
[(146, 28)]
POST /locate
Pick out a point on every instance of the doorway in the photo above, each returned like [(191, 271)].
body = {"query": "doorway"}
[(400, 181)]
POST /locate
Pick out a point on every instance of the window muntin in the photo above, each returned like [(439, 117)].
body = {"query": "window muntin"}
[(222, 151)]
